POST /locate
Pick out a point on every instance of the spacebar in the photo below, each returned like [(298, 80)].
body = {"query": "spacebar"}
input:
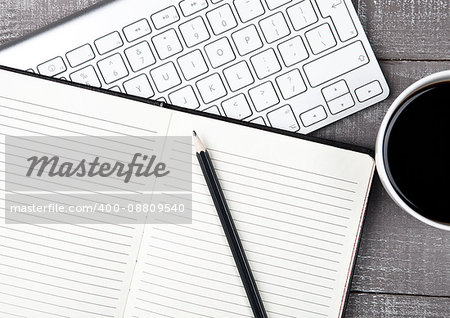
[(336, 63)]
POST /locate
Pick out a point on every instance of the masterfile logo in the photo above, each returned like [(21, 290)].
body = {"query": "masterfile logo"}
[(98, 179)]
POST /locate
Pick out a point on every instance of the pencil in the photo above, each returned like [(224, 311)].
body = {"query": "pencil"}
[(230, 229)]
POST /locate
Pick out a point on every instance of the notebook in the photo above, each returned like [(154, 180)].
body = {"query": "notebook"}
[(298, 205)]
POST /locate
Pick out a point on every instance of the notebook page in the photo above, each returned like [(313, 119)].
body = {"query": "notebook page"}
[(298, 207), (62, 270)]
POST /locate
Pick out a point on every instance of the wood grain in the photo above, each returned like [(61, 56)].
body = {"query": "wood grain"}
[(403, 267), (400, 306), (407, 30), (20, 17)]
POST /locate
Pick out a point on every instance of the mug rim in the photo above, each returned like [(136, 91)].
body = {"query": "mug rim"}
[(443, 76)]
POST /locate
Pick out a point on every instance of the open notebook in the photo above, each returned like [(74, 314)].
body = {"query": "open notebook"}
[(298, 206)]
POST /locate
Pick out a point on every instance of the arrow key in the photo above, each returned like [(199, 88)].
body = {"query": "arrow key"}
[(368, 91), (313, 116)]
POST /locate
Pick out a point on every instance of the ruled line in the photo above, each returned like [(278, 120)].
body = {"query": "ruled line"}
[(238, 285), (60, 268), (32, 309), (266, 227), (260, 253), (279, 165), (60, 306), (63, 250), (55, 276), (74, 234), (252, 186), (233, 275), (230, 257), (273, 219), (192, 303), (256, 243), (65, 241), (79, 115), (59, 296), (8, 313), (170, 279), (61, 287), (278, 211), (167, 306)]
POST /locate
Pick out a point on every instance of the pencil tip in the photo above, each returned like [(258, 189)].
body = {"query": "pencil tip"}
[(194, 133)]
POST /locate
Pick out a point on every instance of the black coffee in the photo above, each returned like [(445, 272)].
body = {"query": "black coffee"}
[(417, 152)]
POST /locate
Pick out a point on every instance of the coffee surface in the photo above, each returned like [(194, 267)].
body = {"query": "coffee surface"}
[(416, 152)]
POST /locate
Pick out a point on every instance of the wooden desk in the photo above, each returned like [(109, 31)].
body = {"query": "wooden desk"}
[(403, 267)]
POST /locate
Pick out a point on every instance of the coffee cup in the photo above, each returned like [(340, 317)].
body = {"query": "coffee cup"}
[(411, 150)]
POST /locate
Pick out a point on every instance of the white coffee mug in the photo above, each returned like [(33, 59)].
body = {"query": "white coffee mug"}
[(379, 151)]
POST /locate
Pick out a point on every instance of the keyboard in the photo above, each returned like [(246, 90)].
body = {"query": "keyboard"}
[(296, 65)]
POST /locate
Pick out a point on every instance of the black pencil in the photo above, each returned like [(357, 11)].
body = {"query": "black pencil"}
[(230, 229)]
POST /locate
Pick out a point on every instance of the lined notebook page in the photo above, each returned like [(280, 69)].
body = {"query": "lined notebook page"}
[(60, 270), (298, 207)]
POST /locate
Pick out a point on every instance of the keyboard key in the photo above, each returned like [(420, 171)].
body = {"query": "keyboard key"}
[(165, 77), (340, 16), (165, 17), (249, 9), (302, 15), (220, 52), (263, 96), (238, 76), (335, 90), (108, 43), (112, 68), (265, 63), (185, 97), (139, 86), (291, 84), (167, 44), (189, 7), (336, 63), (320, 39), (273, 4), (194, 32), (283, 118), (247, 40), (115, 89), (213, 110), (53, 67), (80, 55), (293, 51), (211, 88), (237, 107), (221, 19), (140, 56), (192, 65), (313, 116), (341, 103), (136, 30), (274, 27), (368, 91), (86, 76), (259, 121)]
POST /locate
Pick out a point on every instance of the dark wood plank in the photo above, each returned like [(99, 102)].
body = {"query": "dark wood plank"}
[(401, 306), (399, 254), (20, 17), (407, 30)]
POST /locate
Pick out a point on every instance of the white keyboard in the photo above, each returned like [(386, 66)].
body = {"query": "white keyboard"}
[(296, 65)]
